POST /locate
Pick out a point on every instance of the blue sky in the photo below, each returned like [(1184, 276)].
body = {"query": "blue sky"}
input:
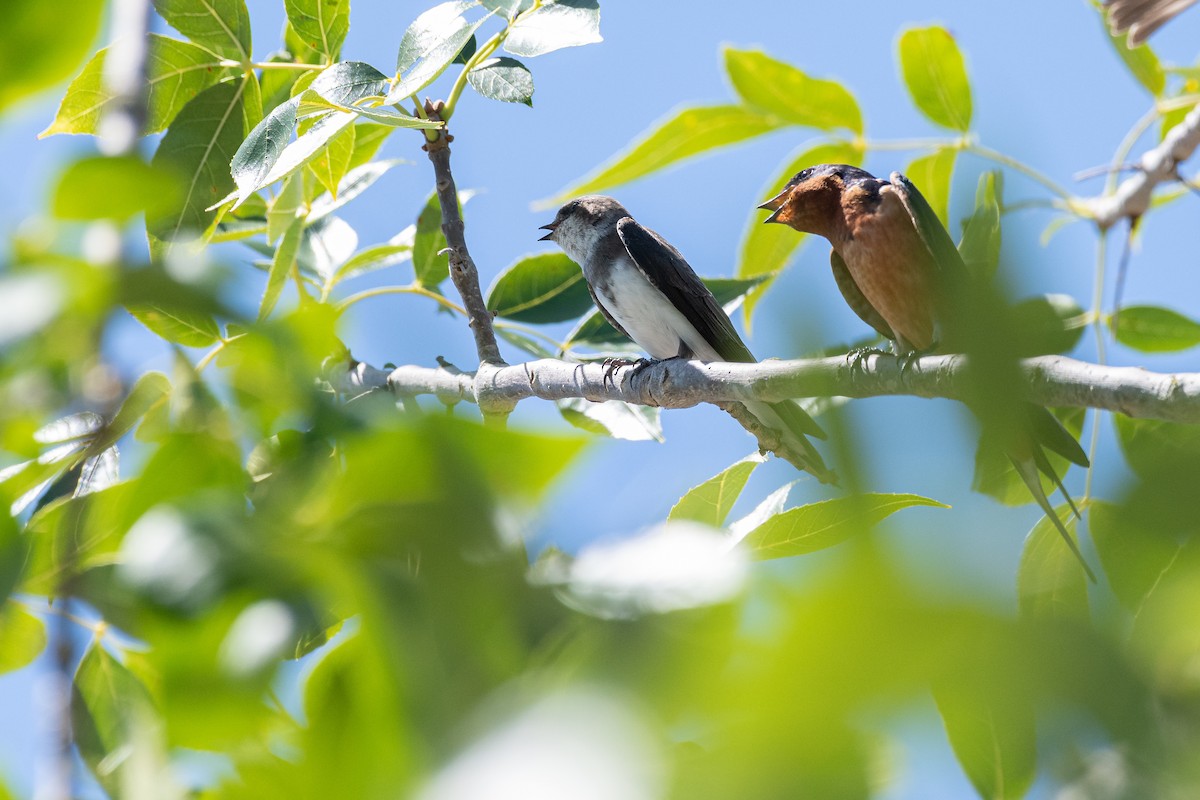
[(1048, 89)]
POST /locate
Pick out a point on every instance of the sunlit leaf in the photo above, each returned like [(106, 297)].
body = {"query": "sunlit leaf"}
[(114, 188), (504, 79), (150, 389), (996, 476), (326, 245), (175, 73), (354, 183), (936, 76), (710, 502), (430, 45), (108, 701), (37, 50), (980, 244), (686, 133), (1051, 323), (993, 736), (774, 87), (1141, 62), (1134, 559), (23, 634), (284, 207), (331, 165), (1050, 582), (181, 325), (932, 174), (542, 288), (430, 264), (262, 148), (281, 267), (823, 524), (557, 24), (614, 418), (322, 24), (1152, 329), (220, 25)]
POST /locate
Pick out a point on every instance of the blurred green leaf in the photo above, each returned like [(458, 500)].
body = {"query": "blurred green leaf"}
[(686, 133), (175, 73), (1050, 582), (774, 87), (541, 288), (281, 267), (1153, 446), (1134, 559), (23, 634), (710, 502), (1151, 329), (996, 477), (936, 76), (1052, 323), (322, 24), (108, 702), (116, 188), (430, 264), (933, 174), (807, 529), (222, 26), (980, 244), (614, 418), (430, 45), (283, 208), (504, 79), (1141, 62), (14, 546), (37, 50), (150, 389), (198, 148), (766, 249), (994, 738), (557, 24), (185, 326)]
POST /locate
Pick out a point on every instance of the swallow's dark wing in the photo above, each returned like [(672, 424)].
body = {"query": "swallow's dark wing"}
[(855, 299), (930, 228), (669, 272)]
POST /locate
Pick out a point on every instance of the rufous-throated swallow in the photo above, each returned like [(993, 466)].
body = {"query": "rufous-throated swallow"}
[(649, 292), (899, 270)]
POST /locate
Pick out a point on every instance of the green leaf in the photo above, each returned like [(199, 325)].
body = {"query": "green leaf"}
[(613, 418), (823, 524), (185, 326), (1150, 445), (116, 188), (333, 163), (685, 134), (993, 734), (321, 24), (325, 246), (507, 8), (108, 702), (933, 173), (1134, 559), (281, 267), (774, 87), (356, 181), (175, 73), (372, 258), (996, 477), (504, 79), (1052, 323), (150, 390), (710, 502), (936, 76), (766, 249), (349, 82), (542, 288), (23, 634), (430, 267), (308, 146), (222, 26), (383, 115), (430, 45), (1151, 329), (284, 207), (1050, 584), (37, 50), (262, 148), (557, 24), (523, 342), (980, 245), (1141, 62), (198, 148), (368, 138)]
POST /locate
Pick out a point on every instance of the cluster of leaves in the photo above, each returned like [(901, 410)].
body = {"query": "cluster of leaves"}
[(270, 521)]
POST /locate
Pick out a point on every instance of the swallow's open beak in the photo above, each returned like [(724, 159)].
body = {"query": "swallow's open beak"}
[(775, 203), (551, 227)]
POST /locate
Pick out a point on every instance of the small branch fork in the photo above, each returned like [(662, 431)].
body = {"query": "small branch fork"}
[(1052, 381)]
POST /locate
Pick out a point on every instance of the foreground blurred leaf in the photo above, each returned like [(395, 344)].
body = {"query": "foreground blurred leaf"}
[(993, 736), (684, 134), (198, 148), (23, 634), (1050, 582), (710, 502), (557, 24), (1052, 323), (151, 389), (37, 50), (933, 174), (322, 24), (996, 477), (175, 73), (936, 76), (1150, 446), (823, 524), (1141, 62), (777, 88), (1134, 559), (1151, 329), (541, 288), (222, 26), (614, 418), (108, 701), (980, 244), (282, 265), (188, 327), (115, 188), (766, 249)]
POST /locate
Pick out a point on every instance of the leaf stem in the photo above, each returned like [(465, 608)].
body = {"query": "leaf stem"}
[(1007, 161), (411, 288)]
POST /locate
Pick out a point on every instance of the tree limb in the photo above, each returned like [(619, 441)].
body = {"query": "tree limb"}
[(1052, 381)]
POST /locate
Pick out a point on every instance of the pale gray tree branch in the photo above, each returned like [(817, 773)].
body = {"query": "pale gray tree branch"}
[(1132, 196), (1051, 381)]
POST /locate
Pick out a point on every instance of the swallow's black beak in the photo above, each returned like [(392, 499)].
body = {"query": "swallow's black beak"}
[(774, 217), (551, 227)]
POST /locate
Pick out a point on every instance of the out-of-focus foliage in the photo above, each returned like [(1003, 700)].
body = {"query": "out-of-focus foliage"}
[(273, 517)]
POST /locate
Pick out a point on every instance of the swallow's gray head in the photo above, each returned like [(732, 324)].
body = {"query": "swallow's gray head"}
[(581, 223)]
